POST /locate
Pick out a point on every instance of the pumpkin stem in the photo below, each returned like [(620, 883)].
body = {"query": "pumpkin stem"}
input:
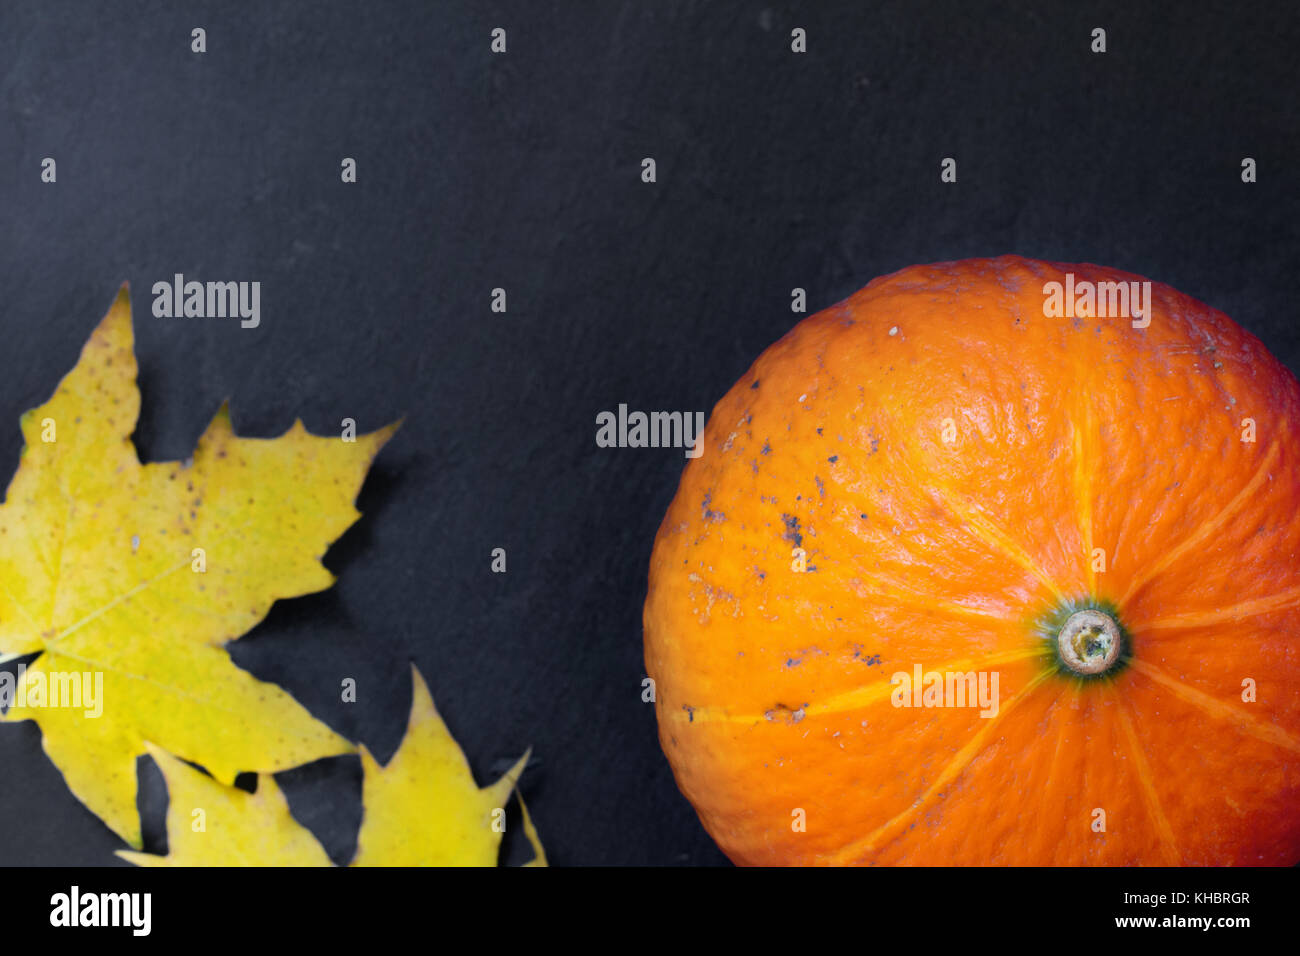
[(1090, 642)]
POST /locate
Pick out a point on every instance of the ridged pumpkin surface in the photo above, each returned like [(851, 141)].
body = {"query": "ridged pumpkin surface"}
[(962, 474)]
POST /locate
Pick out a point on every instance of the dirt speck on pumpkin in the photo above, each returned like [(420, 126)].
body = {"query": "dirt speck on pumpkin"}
[(782, 712), (792, 532)]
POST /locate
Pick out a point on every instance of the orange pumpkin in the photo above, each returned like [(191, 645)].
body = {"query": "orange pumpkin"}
[(970, 572)]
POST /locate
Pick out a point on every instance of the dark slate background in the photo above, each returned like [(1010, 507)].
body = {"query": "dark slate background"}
[(523, 171)]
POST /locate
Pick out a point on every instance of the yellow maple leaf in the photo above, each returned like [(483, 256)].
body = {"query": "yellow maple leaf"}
[(422, 809), (210, 824), (142, 573)]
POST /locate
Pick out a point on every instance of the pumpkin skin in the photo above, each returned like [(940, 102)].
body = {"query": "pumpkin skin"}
[(963, 474)]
